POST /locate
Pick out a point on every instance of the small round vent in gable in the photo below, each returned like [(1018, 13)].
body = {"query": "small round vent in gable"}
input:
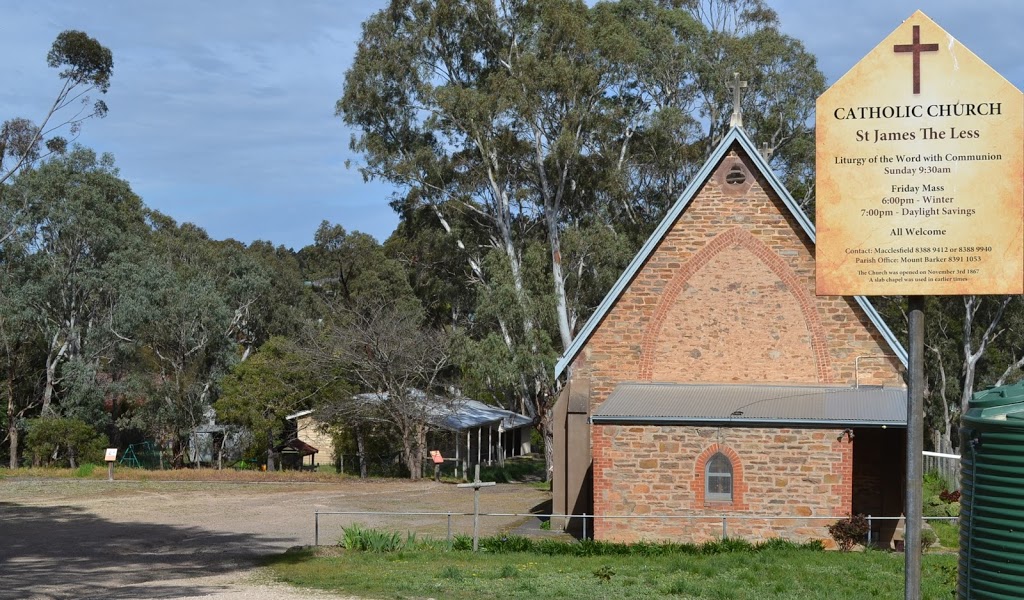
[(736, 176)]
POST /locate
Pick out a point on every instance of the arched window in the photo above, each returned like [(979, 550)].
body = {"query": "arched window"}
[(718, 479)]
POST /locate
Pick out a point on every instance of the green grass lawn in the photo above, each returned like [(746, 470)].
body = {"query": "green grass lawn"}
[(782, 573)]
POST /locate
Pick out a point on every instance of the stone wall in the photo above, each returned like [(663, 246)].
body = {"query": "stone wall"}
[(659, 470), (728, 297)]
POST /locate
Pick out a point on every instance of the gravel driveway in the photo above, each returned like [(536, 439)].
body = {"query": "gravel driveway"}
[(175, 540)]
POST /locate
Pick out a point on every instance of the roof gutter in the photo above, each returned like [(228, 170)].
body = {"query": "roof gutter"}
[(748, 422)]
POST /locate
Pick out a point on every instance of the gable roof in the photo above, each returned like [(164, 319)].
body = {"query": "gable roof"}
[(737, 136)]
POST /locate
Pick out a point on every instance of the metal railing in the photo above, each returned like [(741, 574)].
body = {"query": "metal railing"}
[(585, 519)]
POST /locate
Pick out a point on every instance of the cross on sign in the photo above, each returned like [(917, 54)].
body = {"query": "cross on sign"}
[(917, 48)]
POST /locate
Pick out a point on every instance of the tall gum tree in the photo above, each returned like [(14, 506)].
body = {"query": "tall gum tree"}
[(85, 68), (538, 119)]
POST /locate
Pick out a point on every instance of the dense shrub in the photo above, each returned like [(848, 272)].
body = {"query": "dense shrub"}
[(849, 532), (57, 440)]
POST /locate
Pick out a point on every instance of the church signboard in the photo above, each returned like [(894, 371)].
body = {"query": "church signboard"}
[(920, 154)]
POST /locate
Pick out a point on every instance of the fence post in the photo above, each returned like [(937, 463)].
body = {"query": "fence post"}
[(725, 527), (584, 525), (449, 527), (869, 531), (316, 528)]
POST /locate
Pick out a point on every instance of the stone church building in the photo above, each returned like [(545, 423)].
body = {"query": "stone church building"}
[(711, 381)]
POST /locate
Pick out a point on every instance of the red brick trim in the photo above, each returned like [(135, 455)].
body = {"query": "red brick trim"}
[(843, 489), (601, 443), (741, 237), (739, 486)]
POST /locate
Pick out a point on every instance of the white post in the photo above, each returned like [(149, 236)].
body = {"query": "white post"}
[(489, 460), (456, 455), (479, 445)]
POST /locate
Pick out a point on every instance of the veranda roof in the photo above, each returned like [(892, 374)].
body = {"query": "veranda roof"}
[(468, 414), (454, 414), (754, 405), (299, 447)]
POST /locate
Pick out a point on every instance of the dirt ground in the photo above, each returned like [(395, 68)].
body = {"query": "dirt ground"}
[(183, 540)]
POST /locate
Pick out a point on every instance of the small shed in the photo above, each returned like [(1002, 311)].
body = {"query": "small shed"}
[(308, 429), (294, 453)]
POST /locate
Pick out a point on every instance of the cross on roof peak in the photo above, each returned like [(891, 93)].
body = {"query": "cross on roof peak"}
[(737, 87)]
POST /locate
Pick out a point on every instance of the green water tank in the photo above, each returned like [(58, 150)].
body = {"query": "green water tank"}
[(992, 496)]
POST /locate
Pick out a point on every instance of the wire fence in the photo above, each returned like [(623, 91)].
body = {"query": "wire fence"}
[(946, 465), (451, 520)]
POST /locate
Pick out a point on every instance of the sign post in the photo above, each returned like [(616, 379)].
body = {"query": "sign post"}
[(919, 152), (476, 484), (111, 457)]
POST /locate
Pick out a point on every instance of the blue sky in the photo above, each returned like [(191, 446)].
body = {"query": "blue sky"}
[(222, 113)]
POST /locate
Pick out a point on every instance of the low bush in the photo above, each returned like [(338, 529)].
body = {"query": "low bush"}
[(849, 532), (928, 538), (355, 537)]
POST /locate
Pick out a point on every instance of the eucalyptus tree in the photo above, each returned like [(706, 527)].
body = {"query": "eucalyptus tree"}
[(79, 220), (972, 342), (532, 127), (186, 331), (85, 68), (20, 352)]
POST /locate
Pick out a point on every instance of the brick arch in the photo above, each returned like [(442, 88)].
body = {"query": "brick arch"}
[(739, 485), (737, 237)]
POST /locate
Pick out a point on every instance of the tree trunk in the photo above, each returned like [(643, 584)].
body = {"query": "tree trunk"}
[(270, 450), (409, 456), (12, 426), (52, 360), (548, 433), (361, 452)]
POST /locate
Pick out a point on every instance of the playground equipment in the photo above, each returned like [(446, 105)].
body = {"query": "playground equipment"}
[(143, 455)]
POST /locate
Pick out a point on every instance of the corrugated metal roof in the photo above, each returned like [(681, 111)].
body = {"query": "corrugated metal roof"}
[(467, 414), (457, 414), (672, 403)]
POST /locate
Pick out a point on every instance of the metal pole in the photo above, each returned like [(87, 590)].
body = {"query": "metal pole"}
[(725, 528), (869, 531), (316, 528), (449, 527), (915, 445), (476, 507), (584, 525)]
